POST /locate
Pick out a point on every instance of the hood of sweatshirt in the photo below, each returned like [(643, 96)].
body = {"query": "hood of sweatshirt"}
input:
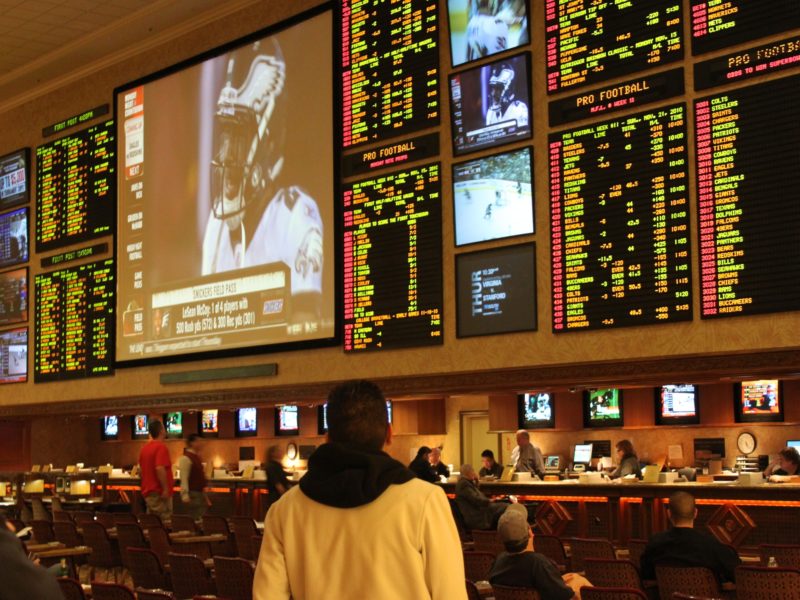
[(344, 477)]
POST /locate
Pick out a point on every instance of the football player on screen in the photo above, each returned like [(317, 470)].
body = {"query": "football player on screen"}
[(503, 105), (487, 33), (253, 220)]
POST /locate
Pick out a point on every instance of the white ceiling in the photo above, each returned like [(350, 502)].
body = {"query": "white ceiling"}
[(45, 44)]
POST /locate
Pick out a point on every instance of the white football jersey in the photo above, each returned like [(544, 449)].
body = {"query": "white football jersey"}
[(515, 111), (486, 35)]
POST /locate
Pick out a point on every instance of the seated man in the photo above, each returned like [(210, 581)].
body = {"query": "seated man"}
[(435, 458), (490, 466), (519, 566), (684, 545), (478, 510)]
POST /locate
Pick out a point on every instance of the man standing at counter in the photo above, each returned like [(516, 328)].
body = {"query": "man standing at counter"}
[(526, 457), (156, 472), (359, 524), (193, 478)]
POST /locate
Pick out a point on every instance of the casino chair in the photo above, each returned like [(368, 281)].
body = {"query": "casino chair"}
[(71, 589), (183, 523), (42, 531), (40, 513), (234, 578), (552, 548), (67, 534), (111, 591), (504, 592), (477, 565), (143, 594), (686, 580), (635, 551), (190, 576), (583, 548), (487, 541), (472, 591), (612, 573), (765, 583), (124, 518), (146, 569), (60, 516), (147, 520), (786, 555), (160, 544), (244, 529), (214, 524), (129, 536), (105, 555), (611, 593)]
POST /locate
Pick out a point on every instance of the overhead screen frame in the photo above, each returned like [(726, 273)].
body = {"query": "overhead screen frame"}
[(662, 419), (11, 379), (24, 197), (336, 210), (26, 210)]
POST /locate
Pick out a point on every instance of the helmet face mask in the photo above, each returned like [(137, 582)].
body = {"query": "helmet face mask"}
[(230, 170), (501, 93)]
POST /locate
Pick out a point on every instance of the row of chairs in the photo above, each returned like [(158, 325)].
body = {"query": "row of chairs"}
[(72, 590)]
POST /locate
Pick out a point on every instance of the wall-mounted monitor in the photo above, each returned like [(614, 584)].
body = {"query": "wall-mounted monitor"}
[(246, 422), (322, 416), (14, 236), (14, 296), (389, 409), (490, 105), (677, 404), (582, 454), (15, 178), (481, 29), (493, 197), (602, 408), (793, 444), (173, 423), (287, 420), (536, 410), (209, 423), (139, 425), (14, 356), (109, 427), (242, 258), (758, 401)]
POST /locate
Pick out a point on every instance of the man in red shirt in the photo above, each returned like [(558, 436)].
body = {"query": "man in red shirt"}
[(156, 472)]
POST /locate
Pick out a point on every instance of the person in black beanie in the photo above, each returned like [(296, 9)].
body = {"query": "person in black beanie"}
[(421, 465), (359, 524)]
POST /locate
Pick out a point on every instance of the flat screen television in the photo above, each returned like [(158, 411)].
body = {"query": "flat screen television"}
[(793, 444), (287, 420), (14, 237), (109, 427), (536, 410), (490, 105), (602, 408), (209, 423), (493, 197), (15, 178), (389, 406), (478, 30), (14, 296), (322, 416), (582, 454), (242, 258), (173, 423), (14, 355), (246, 422), (677, 404), (139, 425), (758, 401)]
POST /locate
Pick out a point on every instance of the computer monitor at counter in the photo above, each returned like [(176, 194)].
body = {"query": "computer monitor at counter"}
[(793, 444), (583, 454)]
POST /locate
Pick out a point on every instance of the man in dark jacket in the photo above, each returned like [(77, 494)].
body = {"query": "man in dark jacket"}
[(22, 579), (421, 465), (478, 510), (685, 545)]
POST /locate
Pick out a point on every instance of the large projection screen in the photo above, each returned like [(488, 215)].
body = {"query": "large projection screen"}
[(226, 185)]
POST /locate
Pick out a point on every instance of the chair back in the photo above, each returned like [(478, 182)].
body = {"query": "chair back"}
[(160, 544), (504, 592), (786, 555), (60, 516), (105, 519), (42, 531), (82, 516), (129, 535), (583, 548), (104, 554), (146, 569), (40, 513), (147, 520), (461, 526), (143, 594), (604, 572), (611, 593), (472, 591), (215, 524), (56, 506), (477, 565), (764, 583), (636, 549), (552, 548), (124, 518), (183, 523), (234, 578), (686, 580), (679, 596), (244, 528), (189, 576), (111, 591), (67, 534), (487, 541), (71, 589)]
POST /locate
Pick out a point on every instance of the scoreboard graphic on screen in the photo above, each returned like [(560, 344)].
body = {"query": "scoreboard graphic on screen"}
[(588, 42), (390, 68), (748, 177), (620, 222), (74, 322), (717, 24), (75, 187), (393, 260)]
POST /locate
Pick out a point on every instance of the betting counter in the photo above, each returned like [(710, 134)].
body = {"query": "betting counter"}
[(740, 515)]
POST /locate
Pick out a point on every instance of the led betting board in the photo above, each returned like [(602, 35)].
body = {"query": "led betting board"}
[(74, 321), (390, 68), (746, 64), (720, 23), (393, 260), (748, 177), (75, 183), (590, 41), (620, 222)]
